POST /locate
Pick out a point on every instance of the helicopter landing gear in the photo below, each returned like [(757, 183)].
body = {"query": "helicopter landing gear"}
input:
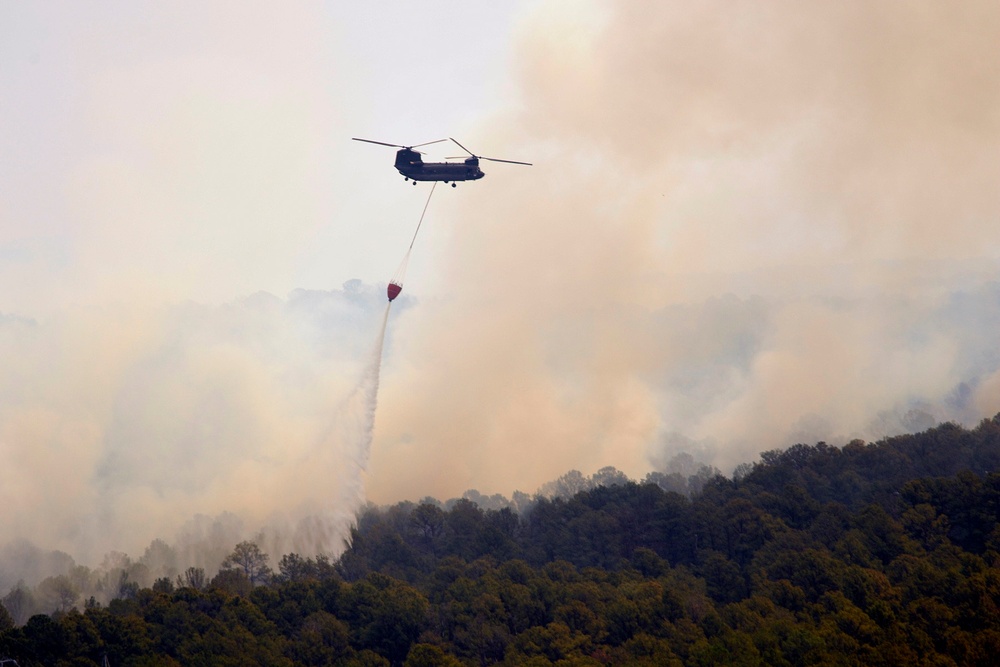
[(454, 185)]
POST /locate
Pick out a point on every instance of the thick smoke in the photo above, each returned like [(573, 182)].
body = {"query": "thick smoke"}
[(200, 425), (748, 225), (178, 155)]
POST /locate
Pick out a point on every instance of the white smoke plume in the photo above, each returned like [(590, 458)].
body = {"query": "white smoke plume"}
[(747, 225), (199, 425)]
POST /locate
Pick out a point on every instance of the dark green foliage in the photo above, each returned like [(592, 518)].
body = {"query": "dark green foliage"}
[(385, 615), (883, 554), (6, 620)]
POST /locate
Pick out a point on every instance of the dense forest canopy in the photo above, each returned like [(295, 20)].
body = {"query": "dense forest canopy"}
[(866, 554)]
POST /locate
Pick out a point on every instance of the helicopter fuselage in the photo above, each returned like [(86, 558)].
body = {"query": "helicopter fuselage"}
[(411, 166)]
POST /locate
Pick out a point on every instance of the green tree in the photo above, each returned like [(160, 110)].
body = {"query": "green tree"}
[(724, 578), (293, 567), (232, 581), (193, 577), (322, 639), (428, 655), (122, 636), (163, 585), (20, 603), (6, 620), (427, 523), (57, 593), (46, 641), (386, 615), (644, 650), (83, 639), (249, 559), (555, 642)]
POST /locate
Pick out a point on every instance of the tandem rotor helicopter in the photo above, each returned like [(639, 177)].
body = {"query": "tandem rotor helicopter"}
[(412, 167)]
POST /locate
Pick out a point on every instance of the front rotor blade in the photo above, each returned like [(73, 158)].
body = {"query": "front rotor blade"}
[(380, 143), (427, 143)]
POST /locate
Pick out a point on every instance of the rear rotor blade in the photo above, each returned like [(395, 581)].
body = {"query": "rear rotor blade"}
[(463, 147), (427, 143), (491, 159)]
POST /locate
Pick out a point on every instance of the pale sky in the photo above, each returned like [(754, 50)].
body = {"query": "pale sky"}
[(747, 225), (202, 150)]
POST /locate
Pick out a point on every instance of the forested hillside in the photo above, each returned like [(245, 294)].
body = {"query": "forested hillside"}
[(870, 554)]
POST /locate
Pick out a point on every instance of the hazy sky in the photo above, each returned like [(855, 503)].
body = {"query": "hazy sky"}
[(748, 224)]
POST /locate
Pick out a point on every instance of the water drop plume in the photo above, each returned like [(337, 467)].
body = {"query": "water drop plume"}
[(368, 392), (354, 425)]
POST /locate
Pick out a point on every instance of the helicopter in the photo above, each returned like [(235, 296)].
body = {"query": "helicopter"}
[(413, 168)]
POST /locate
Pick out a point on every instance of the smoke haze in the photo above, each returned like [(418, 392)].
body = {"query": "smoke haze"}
[(748, 224), (118, 429)]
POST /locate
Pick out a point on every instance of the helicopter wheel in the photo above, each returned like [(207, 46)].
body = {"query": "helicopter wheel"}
[(414, 182), (454, 185)]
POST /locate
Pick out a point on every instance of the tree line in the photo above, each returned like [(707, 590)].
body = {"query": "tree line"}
[(882, 553)]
